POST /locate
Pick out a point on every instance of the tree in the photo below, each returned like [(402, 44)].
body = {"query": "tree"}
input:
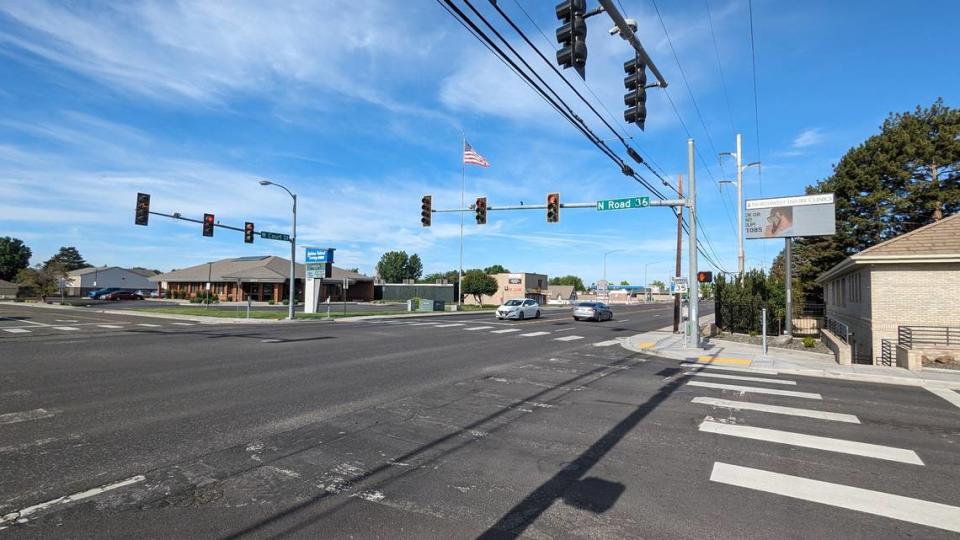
[(657, 284), (396, 266), (14, 256), (434, 277), (355, 270), (624, 283), (43, 279), (413, 268), (478, 283), (903, 178), (496, 269), (568, 280), (69, 259)]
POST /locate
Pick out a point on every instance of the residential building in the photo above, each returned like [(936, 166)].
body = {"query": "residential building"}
[(515, 285), (561, 294), (84, 280), (260, 278), (908, 281)]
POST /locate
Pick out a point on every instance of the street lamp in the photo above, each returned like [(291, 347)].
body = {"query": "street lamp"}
[(605, 284), (293, 247), (738, 155)]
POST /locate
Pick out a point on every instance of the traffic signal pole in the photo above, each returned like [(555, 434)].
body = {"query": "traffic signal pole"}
[(627, 33), (694, 288)]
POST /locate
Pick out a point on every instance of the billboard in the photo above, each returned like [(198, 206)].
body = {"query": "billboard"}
[(788, 217)]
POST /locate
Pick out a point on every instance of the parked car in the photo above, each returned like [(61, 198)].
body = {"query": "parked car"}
[(122, 295), (98, 293), (519, 309), (594, 311), (158, 294)]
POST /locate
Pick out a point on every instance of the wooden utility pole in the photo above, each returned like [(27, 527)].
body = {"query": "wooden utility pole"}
[(676, 296)]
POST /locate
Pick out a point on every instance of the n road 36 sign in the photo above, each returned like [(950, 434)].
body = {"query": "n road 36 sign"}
[(623, 204)]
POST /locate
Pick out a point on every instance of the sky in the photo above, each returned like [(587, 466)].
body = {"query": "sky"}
[(360, 108)]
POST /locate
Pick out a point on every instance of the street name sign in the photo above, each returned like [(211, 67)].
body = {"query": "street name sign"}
[(275, 236), (623, 204)]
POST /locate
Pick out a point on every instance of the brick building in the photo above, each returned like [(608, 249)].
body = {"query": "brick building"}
[(515, 285), (910, 280)]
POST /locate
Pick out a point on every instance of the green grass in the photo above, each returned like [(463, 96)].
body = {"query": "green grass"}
[(232, 313), (474, 307)]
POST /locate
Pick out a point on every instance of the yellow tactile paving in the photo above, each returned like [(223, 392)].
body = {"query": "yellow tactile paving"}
[(723, 360), (647, 345)]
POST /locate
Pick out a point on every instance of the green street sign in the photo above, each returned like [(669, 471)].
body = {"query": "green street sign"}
[(623, 204), (275, 236)]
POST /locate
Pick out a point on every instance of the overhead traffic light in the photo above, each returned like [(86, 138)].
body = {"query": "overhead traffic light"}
[(142, 215), (705, 277), (248, 232), (572, 35), (425, 210), (636, 97), (208, 224), (553, 208), (481, 210)]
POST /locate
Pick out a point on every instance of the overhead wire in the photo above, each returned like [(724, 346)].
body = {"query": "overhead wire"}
[(723, 78)]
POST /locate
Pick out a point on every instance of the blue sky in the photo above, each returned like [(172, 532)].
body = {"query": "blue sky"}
[(359, 108)]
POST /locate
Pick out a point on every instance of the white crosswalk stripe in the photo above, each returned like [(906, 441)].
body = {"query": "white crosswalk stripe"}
[(448, 325), (740, 378), (505, 331), (66, 328), (472, 328), (607, 343), (110, 326), (760, 371), (568, 338), (183, 324), (532, 334), (947, 394), (25, 416), (829, 444), (148, 325), (776, 409), (16, 330), (877, 503), (755, 390), (422, 323)]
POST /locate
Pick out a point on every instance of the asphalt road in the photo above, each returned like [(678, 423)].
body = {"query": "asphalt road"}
[(453, 427)]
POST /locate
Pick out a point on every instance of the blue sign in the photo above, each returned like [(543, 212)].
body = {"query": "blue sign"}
[(319, 255)]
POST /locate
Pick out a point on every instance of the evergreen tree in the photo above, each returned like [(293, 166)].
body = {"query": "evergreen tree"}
[(68, 259)]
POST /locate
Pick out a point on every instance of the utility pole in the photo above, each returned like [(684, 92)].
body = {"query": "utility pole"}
[(693, 288), (676, 295), (738, 155)]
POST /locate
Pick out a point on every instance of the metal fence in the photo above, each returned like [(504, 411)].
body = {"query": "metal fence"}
[(935, 336), (837, 328), (745, 319), (886, 352)]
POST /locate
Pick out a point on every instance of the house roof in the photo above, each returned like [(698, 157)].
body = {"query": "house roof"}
[(88, 270), (6, 284), (563, 291), (262, 269), (933, 243)]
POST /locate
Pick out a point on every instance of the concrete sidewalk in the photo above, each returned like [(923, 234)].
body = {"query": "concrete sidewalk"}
[(666, 344)]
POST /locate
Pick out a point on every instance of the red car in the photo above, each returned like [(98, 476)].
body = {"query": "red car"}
[(122, 295)]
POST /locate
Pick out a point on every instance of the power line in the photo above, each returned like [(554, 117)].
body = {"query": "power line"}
[(756, 99), (723, 79)]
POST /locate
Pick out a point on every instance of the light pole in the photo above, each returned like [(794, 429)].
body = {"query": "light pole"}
[(738, 155), (606, 285), (293, 248)]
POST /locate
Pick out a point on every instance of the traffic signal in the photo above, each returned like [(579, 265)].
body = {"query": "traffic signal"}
[(426, 212), (636, 97), (208, 224), (248, 233), (143, 209), (553, 208), (481, 210), (705, 277), (572, 35)]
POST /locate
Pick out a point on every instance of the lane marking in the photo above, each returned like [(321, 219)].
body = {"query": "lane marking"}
[(568, 338), (532, 334), (479, 328), (270, 340), (898, 507), (755, 390), (25, 416), (776, 409), (947, 394), (110, 326), (505, 330), (16, 330), (448, 325), (828, 444), (66, 320), (739, 378), (148, 325), (183, 323), (66, 328), (606, 343), (723, 360), (728, 368), (25, 513), (15, 319)]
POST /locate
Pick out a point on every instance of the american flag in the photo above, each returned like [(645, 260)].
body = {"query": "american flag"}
[(472, 157)]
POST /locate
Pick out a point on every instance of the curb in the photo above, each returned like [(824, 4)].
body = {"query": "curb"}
[(134, 313)]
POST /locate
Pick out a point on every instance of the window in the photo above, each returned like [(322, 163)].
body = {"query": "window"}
[(855, 288), (843, 292)]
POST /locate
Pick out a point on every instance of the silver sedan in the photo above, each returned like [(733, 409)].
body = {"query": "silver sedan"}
[(593, 311)]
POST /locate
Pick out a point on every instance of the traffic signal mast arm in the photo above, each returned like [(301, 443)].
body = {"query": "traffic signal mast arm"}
[(592, 205), (176, 215), (627, 33)]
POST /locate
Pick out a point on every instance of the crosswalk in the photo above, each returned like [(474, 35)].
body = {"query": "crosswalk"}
[(47, 329), (500, 330), (838, 495)]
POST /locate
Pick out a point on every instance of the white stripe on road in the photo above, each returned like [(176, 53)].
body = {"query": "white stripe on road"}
[(479, 328), (739, 377), (607, 343), (775, 409), (15, 319), (755, 390), (25, 513), (829, 444), (149, 325), (24, 416), (448, 325), (505, 330), (726, 368), (16, 330), (66, 328), (532, 334), (947, 394), (66, 320), (568, 338), (908, 509), (110, 326), (183, 323)]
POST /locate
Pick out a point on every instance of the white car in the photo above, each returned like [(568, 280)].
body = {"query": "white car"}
[(519, 309)]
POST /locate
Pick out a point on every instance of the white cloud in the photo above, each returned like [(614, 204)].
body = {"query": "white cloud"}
[(808, 137)]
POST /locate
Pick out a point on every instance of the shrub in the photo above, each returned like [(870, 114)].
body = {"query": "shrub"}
[(271, 303), (415, 304), (808, 342), (754, 333), (286, 302)]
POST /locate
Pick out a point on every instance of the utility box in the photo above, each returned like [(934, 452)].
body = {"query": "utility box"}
[(426, 305)]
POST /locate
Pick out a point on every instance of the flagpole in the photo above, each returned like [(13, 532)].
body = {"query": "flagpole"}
[(463, 181)]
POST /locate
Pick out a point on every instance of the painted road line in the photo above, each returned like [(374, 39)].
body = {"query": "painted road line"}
[(947, 394), (25, 321), (776, 409), (829, 444), (25, 513), (607, 343), (727, 368), (16, 330), (66, 320), (755, 390), (148, 325), (505, 330), (479, 328), (422, 323), (532, 334), (183, 323), (877, 503), (568, 338), (723, 360), (449, 325), (66, 328), (739, 378), (110, 326), (26, 416)]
